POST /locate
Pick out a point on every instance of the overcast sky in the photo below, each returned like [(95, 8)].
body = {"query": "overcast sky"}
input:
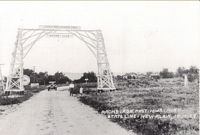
[(139, 36)]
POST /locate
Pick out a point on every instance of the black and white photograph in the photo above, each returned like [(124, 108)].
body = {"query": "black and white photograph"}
[(99, 67)]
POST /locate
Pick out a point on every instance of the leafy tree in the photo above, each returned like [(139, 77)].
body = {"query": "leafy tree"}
[(149, 73), (192, 72), (119, 77), (180, 71), (60, 78), (28, 72), (166, 74), (31, 74), (91, 76), (51, 78), (43, 78)]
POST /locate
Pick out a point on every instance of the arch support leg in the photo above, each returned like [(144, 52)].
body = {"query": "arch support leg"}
[(15, 77), (105, 77)]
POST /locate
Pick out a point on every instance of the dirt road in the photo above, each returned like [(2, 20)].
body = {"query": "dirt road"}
[(56, 113)]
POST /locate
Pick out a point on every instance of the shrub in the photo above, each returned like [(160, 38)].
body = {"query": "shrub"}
[(166, 74), (6, 100), (192, 77)]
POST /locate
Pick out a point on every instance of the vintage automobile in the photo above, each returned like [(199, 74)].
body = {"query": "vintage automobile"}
[(52, 86)]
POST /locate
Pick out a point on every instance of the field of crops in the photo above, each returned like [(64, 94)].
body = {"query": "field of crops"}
[(164, 107)]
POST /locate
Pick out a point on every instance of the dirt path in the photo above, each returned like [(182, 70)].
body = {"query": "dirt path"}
[(56, 113)]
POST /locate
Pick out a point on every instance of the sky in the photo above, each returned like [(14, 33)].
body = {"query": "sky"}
[(139, 36)]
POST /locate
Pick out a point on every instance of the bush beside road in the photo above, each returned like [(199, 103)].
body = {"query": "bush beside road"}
[(29, 92), (6, 100)]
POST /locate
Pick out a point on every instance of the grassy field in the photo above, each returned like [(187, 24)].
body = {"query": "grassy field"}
[(147, 107)]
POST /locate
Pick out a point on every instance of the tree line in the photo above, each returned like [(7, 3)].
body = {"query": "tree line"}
[(191, 72), (43, 78), (87, 77)]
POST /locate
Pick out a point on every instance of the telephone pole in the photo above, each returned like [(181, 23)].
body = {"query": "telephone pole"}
[(34, 68), (34, 74)]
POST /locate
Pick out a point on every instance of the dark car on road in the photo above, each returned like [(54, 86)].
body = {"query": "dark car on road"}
[(52, 86)]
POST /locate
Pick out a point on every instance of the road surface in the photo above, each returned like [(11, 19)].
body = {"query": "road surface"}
[(56, 113)]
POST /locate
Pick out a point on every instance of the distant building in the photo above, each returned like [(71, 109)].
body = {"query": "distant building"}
[(130, 76), (155, 76), (141, 76)]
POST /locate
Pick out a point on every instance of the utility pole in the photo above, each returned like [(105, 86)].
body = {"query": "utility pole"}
[(1, 77), (34, 74), (34, 68)]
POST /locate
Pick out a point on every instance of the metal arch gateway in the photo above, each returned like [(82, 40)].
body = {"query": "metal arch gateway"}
[(26, 38)]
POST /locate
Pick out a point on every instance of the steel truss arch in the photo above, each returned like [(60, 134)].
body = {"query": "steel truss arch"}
[(26, 39)]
